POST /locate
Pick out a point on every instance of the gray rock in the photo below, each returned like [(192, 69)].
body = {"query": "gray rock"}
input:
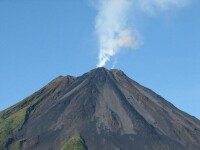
[(109, 111)]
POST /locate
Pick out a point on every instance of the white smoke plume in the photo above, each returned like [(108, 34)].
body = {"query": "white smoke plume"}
[(113, 30)]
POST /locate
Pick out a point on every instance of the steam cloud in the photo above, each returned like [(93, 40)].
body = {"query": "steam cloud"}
[(112, 29)]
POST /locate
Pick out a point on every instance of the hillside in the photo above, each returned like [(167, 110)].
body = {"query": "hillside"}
[(100, 110)]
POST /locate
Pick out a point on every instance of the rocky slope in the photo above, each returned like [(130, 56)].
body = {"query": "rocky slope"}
[(100, 110)]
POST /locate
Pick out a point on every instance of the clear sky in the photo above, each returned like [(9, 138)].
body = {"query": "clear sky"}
[(42, 39)]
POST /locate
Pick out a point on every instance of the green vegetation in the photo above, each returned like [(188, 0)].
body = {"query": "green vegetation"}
[(15, 146), (12, 119), (10, 125), (74, 143)]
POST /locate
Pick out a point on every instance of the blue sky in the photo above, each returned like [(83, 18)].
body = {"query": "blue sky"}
[(40, 40)]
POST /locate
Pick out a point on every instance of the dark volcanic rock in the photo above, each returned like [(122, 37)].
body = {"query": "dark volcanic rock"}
[(108, 110)]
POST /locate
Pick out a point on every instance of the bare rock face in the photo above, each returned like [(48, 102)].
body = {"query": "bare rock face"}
[(108, 110)]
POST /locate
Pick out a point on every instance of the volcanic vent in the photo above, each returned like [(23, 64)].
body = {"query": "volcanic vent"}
[(100, 110)]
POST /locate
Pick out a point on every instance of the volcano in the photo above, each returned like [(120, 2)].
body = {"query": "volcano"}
[(100, 110)]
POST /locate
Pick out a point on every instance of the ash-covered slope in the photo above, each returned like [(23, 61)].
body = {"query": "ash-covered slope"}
[(100, 110)]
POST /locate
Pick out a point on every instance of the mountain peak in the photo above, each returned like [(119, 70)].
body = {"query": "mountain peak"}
[(105, 108), (104, 72), (99, 70), (103, 69), (101, 76)]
